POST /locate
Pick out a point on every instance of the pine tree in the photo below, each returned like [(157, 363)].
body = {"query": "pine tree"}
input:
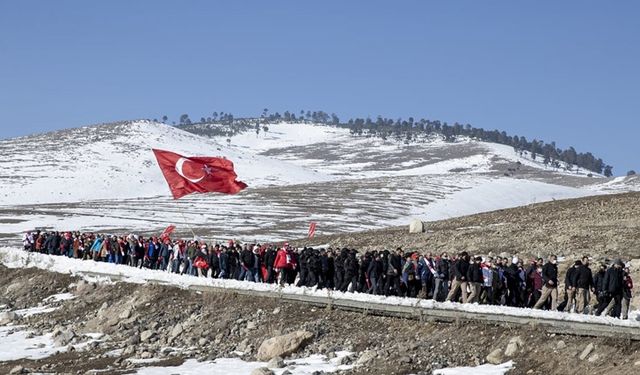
[(608, 171)]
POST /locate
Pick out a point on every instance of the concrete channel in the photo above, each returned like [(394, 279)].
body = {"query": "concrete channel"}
[(420, 313)]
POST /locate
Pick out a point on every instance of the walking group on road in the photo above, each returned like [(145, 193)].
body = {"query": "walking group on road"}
[(458, 278)]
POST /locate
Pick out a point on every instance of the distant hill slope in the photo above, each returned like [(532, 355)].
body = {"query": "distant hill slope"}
[(335, 150), (105, 178)]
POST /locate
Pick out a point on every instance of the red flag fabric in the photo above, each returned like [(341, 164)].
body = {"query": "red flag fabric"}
[(312, 230), (168, 231), (186, 175)]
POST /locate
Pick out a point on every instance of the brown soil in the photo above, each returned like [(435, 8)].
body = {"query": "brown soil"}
[(224, 321)]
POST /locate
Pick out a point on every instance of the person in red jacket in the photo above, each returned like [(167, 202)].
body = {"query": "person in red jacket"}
[(626, 293), (282, 264)]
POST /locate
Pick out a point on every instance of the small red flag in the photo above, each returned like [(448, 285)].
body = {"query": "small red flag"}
[(168, 231), (186, 175), (312, 230)]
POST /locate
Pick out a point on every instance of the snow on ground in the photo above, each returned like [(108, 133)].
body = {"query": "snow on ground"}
[(287, 135), (508, 153), (236, 366), (18, 258), (16, 344), (486, 369), (43, 307), (24, 313), (618, 185), (59, 297), (491, 195)]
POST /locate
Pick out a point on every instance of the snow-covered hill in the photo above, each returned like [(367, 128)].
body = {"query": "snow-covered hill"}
[(335, 151), (115, 161), (105, 177)]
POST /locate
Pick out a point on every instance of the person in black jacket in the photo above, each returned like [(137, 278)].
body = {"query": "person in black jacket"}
[(339, 267), (460, 269), (246, 263), (626, 293), (550, 280), (613, 287), (313, 267), (214, 261), (363, 281), (394, 269), (324, 281), (583, 281), (374, 272), (441, 285), (303, 267), (474, 277), (330, 270), (350, 272), (598, 285), (512, 276), (570, 287), (53, 244), (269, 259)]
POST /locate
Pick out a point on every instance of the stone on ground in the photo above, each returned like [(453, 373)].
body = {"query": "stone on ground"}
[(495, 357), (417, 226), (585, 353), (8, 317), (366, 357), (513, 346), (281, 346), (262, 371), (276, 362)]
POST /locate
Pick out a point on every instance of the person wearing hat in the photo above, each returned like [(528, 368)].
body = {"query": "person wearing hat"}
[(613, 287), (550, 288)]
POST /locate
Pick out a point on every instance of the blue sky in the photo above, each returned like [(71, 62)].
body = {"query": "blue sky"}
[(553, 70)]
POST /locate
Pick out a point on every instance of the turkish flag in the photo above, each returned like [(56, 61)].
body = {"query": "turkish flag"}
[(186, 175)]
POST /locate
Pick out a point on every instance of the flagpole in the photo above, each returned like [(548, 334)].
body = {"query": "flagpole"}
[(185, 222)]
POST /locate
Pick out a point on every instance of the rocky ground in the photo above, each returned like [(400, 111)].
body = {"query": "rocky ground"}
[(145, 321)]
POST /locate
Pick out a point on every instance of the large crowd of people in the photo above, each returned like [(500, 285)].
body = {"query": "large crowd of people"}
[(442, 277)]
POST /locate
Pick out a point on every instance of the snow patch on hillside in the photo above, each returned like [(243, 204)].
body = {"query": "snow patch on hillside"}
[(491, 195)]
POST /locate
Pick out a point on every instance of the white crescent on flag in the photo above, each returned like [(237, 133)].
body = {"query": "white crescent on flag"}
[(180, 165)]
